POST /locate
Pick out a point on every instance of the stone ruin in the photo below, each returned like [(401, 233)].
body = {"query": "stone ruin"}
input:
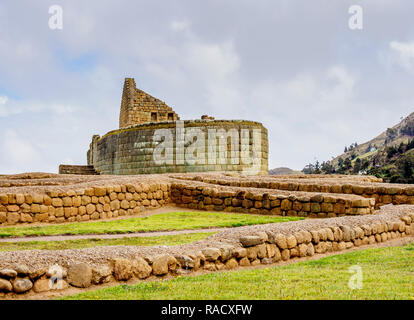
[(239, 145), (138, 107)]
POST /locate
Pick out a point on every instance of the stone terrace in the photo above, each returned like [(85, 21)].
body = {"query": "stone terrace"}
[(51, 198)]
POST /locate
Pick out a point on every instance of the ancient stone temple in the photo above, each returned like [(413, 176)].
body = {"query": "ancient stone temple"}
[(152, 139), (138, 106)]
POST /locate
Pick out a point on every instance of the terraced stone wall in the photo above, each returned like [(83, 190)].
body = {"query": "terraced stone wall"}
[(95, 203), (73, 169), (383, 193), (257, 201), (255, 248)]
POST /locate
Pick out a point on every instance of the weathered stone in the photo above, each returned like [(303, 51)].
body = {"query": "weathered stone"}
[(13, 217), (185, 261), (21, 269), (8, 273), (22, 285), (162, 263), (210, 266), (320, 247), (43, 285), (346, 233), (220, 265), (315, 236), (255, 262), (267, 261), (281, 241), (261, 251), (299, 237), (122, 269), (231, 264), (249, 241), (285, 254), (227, 252), (307, 236), (5, 285), (211, 254), (80, 275), (310, 250), (101, 274), (271, 250), (244, 262), (329, 234), (349, 244), (291, 241), (240, 252), (303, 249), (252, 252), (294, 252)]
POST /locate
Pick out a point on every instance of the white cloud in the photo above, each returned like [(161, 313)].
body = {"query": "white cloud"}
[(182, 25), (404, 54), (316, 86), (13, 107), (16, 152)]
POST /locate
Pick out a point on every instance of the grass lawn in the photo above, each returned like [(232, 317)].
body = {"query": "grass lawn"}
[(86, 243), (388, 273), (157, 222)]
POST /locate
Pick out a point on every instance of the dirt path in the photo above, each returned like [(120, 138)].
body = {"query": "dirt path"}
[(110, 236), (73, 291)]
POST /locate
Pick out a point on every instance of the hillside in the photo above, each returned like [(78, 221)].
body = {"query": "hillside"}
[(390, 156), (403, 132), (283, 171)]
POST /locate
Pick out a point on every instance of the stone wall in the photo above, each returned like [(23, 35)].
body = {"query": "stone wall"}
[(80, 170), (130, 150), (383, 193), (270, 245), (138, 106), (95, 203), (257, 201)]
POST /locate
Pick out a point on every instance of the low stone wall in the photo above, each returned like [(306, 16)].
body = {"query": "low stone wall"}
[(73, 169), (100, 202), (84, 204), (383, 193), (259, 201), (271, 245)]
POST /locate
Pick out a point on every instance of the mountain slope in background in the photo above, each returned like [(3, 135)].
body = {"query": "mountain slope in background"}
[(403, 132), (283, 171), (389, 156)]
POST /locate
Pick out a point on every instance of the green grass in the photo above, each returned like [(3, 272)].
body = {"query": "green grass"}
[(170, 240), (157, 222), (365, 155), (388, 273)]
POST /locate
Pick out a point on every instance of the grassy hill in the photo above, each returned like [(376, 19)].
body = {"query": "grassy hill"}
[(403, 132), (390, 156)]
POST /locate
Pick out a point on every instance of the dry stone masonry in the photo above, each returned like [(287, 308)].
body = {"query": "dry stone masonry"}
[(70, 198), (138, 106), (131, 150), (49, 198), (364, 186), (217, 145), (239, 247)]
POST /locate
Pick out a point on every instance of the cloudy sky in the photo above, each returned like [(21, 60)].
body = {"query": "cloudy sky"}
[(293, 65)]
